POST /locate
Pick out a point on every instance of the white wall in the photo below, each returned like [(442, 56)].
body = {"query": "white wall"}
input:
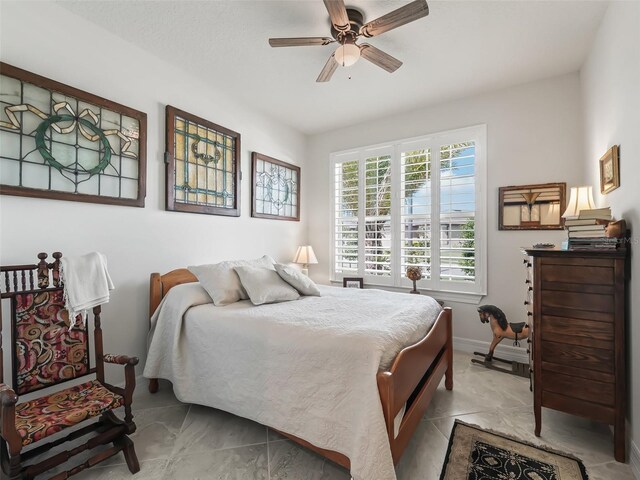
[(48, 40), (611, 95), (534, 136)]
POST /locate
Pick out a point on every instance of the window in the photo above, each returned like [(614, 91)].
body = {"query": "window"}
[(413, 202)]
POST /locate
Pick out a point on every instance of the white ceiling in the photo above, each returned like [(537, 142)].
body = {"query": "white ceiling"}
[(462, 48)]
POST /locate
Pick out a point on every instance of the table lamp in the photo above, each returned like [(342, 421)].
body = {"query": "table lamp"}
[(581, 198), (305, 256)]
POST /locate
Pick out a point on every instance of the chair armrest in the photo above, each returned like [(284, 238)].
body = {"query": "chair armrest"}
[(8, 400), (129, 379), (8, 397), (120, 359)]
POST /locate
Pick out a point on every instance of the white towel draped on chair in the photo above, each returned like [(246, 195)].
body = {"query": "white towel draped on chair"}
[(86, 283)]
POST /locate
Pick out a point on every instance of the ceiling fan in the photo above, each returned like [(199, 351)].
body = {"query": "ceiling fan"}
[(347, 26)]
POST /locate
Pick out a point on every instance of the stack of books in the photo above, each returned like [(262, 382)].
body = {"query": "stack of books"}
[(587, 232)]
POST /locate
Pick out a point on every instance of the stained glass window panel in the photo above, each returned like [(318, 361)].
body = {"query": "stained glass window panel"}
[(202, 165), (59, 142), (275, 188)]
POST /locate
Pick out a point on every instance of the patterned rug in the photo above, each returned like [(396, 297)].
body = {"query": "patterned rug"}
[(476, 454)]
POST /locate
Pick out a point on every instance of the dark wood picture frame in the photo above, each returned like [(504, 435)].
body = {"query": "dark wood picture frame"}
[(562, 201), (255, 157), (347, 280), (610, 183), (81, 95), (171, 204)]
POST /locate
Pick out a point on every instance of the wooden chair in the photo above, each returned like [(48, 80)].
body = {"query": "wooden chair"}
[(48, 350)]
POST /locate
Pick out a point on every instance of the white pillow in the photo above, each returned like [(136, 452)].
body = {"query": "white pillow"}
[(222, 282), (298, 280), (264, 285)]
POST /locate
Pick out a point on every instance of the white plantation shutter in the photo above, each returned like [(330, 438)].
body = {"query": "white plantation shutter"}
[(415, 210), (420, 202), (346, 185), (377, 222), (457, 212)]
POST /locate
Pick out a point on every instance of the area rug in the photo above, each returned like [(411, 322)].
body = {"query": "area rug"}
[(477, 454)]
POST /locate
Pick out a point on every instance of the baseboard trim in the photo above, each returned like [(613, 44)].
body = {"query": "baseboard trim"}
[(508, 352), (634, 459)]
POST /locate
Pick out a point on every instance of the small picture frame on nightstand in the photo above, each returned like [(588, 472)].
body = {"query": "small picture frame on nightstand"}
[(353, 282)]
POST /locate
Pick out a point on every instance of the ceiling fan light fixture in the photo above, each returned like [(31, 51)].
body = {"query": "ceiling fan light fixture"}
[(347, 54)]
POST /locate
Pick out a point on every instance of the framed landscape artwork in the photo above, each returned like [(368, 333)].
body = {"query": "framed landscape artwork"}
[(275, 188), (63, 143), (610, 170), (202, 165), (532, 207)]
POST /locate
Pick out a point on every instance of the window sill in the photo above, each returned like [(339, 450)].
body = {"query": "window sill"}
[(457, 297)]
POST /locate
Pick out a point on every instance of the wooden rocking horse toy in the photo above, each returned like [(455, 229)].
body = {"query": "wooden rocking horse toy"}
[(502, 329)]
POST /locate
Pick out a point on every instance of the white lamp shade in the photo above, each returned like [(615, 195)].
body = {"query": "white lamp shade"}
[(581, 198), (305, 255), (347, 54)]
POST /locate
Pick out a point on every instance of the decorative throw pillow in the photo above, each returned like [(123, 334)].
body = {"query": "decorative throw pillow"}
[(221, 281), (298, 280), (264, 285)]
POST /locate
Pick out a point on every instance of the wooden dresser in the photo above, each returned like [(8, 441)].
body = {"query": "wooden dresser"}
[(579, 335)]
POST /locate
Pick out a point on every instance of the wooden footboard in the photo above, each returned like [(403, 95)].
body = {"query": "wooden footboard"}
[(411, 380)]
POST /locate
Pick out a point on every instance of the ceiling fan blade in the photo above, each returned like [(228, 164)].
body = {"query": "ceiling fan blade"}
[(328, 69), (300, 41), (401, 16), (379, 58), (338, 14)]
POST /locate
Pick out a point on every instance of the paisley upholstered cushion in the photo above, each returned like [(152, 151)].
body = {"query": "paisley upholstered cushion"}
[(49, 347), (45, 416)]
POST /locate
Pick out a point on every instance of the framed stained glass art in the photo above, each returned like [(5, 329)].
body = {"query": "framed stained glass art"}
[(63, 143), (203, 165), (532, 207), (275, 188)]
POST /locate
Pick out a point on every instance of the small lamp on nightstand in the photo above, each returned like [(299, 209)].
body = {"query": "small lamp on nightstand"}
[(305, 256)]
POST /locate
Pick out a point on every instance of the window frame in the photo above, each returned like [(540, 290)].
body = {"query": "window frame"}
[(462, 291)]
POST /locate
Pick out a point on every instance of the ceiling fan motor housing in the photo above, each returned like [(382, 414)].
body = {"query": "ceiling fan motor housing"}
[(356, 20)]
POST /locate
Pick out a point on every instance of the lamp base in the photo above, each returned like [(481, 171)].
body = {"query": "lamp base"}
[(305, 269)]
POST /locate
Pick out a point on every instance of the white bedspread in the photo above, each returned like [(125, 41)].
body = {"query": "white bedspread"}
[(306, 367)]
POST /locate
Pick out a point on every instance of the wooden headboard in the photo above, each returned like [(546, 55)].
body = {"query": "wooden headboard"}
[(159, 285)]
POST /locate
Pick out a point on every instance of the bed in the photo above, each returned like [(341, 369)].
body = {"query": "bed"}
[(403, 386)]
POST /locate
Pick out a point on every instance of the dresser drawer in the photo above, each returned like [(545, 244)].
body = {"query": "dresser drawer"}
[(590, 391), (578, 274), (576, 331), (578, 301), (598, 359)]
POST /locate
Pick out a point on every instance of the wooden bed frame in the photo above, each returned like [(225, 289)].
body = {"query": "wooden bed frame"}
[(412, 379)]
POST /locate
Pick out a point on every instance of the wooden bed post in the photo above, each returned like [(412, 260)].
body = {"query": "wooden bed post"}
[(155, 297), (448, 379)]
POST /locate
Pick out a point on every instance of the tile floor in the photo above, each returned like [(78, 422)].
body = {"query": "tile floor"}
[(178, 441)]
